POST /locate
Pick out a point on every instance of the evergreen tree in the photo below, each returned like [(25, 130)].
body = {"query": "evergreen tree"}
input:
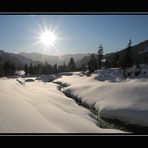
[(83, 68), (64, 67), (116, 60), (92, 64), (72, 66), (128, 59), (100, 56), (13, 69), (40, 69), (128, 56), (47, 69), (1, 70), (55, 68), (106, 64), (31, 69), (26, 69), (7, 67)]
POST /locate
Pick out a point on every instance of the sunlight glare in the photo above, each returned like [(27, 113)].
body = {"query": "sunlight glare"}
[(48, 38)]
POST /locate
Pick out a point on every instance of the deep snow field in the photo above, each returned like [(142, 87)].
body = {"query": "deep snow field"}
[(39, 107), (35, 105), (111, 95)]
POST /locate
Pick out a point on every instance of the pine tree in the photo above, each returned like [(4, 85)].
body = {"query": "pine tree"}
[(100, 56), (106, 64), (13, 69), (128, 56), (83, 68), (40, 68), (1, 70), (128, 59), (26, 69), (64, 67), (72, 66), (31, 69), (55, 68), (92, 64), (116, 60), (7, 67)]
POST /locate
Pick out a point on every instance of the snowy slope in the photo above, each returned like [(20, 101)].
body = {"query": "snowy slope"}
[(39, 107), (113, 97)]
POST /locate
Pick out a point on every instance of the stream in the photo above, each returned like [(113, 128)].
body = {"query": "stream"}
[(101, 121)]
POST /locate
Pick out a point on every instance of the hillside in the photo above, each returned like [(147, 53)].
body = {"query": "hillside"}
[(15, 59), (140, 50), (52, 59)]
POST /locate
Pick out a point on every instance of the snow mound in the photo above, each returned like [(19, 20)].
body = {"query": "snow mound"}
[(116, 74), (111, 74)]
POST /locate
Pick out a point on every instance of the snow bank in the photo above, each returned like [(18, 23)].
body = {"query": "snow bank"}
[(123, 100), (39, 107), (111, 74), (116, 74), (21, 81)]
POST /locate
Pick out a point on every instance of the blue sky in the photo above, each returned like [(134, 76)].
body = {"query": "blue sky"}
[(76, 33)]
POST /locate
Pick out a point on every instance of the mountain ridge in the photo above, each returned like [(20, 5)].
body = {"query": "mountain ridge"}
[(23, 58)]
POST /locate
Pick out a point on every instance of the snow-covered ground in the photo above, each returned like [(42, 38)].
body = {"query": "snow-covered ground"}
[(111, 95), (39, 107)]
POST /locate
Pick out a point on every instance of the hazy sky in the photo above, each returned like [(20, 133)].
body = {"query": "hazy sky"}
[(75, 33)]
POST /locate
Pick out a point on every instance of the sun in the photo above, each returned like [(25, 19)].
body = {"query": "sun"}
[(48, 38)]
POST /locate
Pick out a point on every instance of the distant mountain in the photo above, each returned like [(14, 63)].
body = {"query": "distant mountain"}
[(142, 47), (16, 59), (139, 51), (26, 58), (52, 59)]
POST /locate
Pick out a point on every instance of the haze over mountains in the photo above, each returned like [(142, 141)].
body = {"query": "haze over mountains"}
[(15, 59), (23, 58), (52, 59)]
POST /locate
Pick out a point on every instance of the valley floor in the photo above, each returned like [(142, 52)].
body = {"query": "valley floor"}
[(35, 105), (39, 107)]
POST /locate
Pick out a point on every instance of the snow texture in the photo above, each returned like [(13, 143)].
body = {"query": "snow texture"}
[(39, 107), (111, 95)]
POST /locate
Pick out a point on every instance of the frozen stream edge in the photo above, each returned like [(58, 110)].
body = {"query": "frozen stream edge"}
[(101, 121)]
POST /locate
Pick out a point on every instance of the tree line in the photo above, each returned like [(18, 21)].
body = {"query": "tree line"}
[(124, 61), (49, 69), (97, 61), (7, 68)]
